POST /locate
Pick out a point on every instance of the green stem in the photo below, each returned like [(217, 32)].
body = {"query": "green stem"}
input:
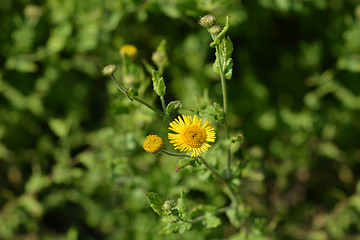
[(212, 170), (123, 90), (163, 104), (149, 106), (232, 192), (173, 154), (225, 108)]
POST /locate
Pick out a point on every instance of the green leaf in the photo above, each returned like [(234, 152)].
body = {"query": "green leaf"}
[(238, 138), (131, 93), (236, 215), (228, 47), (216, 66), (183, 162), (211, 221), (172, 106), (222, 34), (201, 210), (155, 202), (158, 83), (60, 127), (183, 213), (215, 111), (176, 227), (228, 68), (159, 57), (223, 62)]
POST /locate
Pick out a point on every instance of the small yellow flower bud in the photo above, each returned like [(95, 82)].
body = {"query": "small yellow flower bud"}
[(32, 11), (129, 50), (207, 21), (215, 29), (153, 144), (109, 70)]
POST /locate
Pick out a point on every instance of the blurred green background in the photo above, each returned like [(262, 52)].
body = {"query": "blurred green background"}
[(71, 159)]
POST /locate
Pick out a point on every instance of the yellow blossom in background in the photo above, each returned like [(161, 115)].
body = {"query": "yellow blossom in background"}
[(153, 144), (129, 50), (191, 135)]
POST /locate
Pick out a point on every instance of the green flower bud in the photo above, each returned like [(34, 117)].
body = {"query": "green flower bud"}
[(215, 29), (168, 206), (109, 70), (207, 21)]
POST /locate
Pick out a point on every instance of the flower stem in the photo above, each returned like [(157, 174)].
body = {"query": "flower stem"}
[(123, 90), (163, 104), (149, 106), (173, 154), (225, 107), (212, 170)]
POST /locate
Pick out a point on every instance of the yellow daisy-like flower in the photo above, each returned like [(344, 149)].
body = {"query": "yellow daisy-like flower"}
[(153, 144), (129, 50), (191, 135)]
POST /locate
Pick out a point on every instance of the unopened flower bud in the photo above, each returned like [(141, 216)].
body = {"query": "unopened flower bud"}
[(215, 29), (129, 50), (109, 70), (153, 144), (207, 21)]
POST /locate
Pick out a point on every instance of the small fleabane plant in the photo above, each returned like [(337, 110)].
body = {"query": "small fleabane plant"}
[(192, 136)]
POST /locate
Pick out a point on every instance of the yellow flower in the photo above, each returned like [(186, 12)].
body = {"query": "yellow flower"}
[(153, 143), (191, 135), (129, 50)]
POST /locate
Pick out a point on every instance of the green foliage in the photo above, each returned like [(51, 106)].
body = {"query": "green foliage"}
[(224, 62), (158, 83), (155, 202), (71, 159)]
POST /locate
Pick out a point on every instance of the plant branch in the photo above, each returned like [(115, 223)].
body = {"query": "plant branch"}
[(123, 90)]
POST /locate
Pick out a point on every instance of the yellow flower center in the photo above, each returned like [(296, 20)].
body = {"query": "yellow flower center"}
[(153, 143), (194, 136)]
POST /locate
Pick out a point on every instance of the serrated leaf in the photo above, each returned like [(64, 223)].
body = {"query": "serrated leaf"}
[(176, 227), (131, 93), (183, 213), (155, 202), (228, 68), (158, 83), (172, 106), (228, 48), (211, 221), (216, 66)]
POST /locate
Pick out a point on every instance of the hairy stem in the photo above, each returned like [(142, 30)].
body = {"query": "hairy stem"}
[(227, 184), (123, 90), (225, 107), (163, 104)]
